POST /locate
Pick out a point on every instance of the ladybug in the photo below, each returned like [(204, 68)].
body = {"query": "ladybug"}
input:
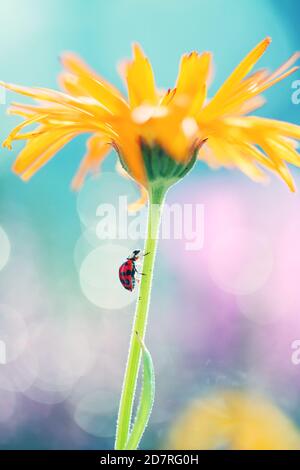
[(127, 271)]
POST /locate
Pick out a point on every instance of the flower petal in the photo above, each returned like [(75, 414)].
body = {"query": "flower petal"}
[(140, 79), (97, 149), (192, 78), (39, 151), (242, 70)]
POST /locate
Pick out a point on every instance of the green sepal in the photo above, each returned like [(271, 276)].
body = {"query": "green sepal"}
[(161, 168)]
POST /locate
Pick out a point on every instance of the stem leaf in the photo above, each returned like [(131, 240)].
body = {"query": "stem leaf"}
[(146, 400)]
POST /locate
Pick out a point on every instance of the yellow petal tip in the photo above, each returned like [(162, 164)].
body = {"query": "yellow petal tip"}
[(137, 51), (7, 144)]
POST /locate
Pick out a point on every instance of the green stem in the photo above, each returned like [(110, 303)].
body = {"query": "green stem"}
[(156, 198)]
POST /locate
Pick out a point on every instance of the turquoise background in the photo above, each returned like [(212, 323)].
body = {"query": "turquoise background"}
[(42, 223)]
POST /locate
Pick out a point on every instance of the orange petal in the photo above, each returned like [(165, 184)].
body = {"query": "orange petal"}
[(263, 125), (251, 105), (52, 96), (97, 149), (275, 80), (84, 81), (275, 153), (139, 203), (193, 75), (128, 146), (285, 66), (167, 97), (68, 83), (242, 69), (19, 127), (36, 154), (78, 67), (140, 79), (92, 87)]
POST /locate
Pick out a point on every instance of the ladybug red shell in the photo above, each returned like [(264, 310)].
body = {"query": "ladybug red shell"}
[(128, 270)]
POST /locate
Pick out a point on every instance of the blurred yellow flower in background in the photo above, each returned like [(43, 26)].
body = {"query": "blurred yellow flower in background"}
[(236, 420)]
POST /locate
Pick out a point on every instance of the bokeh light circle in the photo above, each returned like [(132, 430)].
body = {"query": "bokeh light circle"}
[(96, 412), (64, 355), (240, 261), (259, 307), (97, 192), (99, 278), (46, 397), (13, 332), (4, 248), (82, 248), (20, 374)]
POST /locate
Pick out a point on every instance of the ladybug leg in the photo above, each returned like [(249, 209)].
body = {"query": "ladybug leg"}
[(138, 272), (148, 253)]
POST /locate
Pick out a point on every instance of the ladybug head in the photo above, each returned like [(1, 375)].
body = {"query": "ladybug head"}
[(135, 255)]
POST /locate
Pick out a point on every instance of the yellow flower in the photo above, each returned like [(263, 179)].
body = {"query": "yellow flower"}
[(170, 127), (234, 420)]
